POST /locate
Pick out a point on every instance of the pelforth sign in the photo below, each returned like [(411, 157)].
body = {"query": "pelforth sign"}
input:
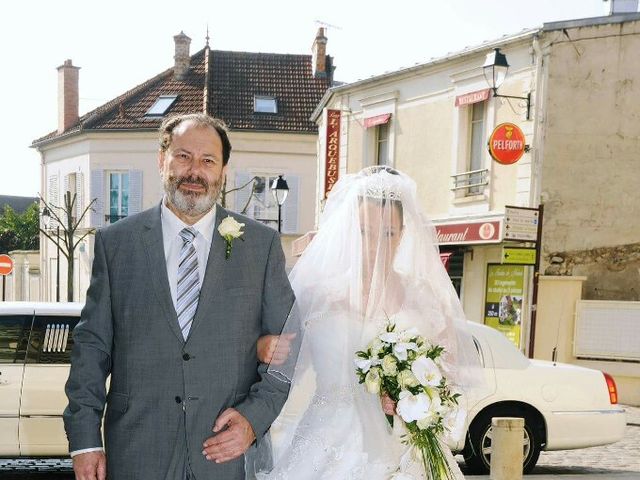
[(332, 156), (507, 143)]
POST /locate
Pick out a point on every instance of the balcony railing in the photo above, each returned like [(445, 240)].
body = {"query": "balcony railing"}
[(472, 182)]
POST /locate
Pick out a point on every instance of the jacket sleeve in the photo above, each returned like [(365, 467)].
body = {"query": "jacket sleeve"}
[(90, 359), (268, 395)]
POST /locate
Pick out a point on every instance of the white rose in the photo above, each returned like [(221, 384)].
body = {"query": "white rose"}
[(406, 379), (429, 420), (401, 350), (372, 381), (413, 407), (408, 334), (375, 346), (389, 365), (426, 371), (363, 364), (388, 337), (230, 228)]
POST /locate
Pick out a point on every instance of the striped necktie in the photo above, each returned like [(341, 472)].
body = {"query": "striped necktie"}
[(188, 281)]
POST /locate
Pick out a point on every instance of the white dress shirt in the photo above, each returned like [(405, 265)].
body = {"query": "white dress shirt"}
[(171, 227)]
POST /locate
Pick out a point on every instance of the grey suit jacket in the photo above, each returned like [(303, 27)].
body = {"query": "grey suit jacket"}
[(165, 393)]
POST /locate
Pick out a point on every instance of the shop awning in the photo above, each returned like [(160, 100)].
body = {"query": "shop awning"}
[(445, 257), (377, 120)]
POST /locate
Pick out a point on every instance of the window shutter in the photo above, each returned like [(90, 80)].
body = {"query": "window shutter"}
[(242, 195), (290, 207), (66, 187), (53, 199), (135, 191), (97, 193), (79, 194)]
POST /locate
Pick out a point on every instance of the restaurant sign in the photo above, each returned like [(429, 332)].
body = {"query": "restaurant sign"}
[(469, 233), (332, 155)]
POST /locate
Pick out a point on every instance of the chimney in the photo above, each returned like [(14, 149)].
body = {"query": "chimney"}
[(182, 58), (68, 101), (623, 6), (319, 55)]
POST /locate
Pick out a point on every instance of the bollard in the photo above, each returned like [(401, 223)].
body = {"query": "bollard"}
[(506, 448)]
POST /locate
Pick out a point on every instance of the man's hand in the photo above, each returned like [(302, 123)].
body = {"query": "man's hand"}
[(231, 442), (90, 466)]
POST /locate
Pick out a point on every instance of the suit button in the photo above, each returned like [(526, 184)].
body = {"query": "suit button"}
[(186, 357), (178, 399)]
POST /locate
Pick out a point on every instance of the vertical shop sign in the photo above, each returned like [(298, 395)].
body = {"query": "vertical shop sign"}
[(332, 155), (503, 300)]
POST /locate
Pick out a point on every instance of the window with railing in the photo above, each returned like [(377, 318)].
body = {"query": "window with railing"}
[(476, 148), (471, 183)]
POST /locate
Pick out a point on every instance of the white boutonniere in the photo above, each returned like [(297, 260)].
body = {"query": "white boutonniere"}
[(230, 229)]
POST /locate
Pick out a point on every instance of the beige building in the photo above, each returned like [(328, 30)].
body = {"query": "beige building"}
[(582, 129), (109, 155)]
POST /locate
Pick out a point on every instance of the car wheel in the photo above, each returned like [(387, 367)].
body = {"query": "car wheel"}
[(477, 454)]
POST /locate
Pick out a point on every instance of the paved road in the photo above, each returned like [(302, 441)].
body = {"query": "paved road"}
[(619, 461)]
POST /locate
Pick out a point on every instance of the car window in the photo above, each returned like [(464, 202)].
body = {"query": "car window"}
[(14, 335), (51, 339)]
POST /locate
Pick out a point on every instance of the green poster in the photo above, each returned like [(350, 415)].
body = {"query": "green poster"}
[(503, 300)]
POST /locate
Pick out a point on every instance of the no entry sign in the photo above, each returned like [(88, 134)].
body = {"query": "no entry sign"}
[(6, 264)]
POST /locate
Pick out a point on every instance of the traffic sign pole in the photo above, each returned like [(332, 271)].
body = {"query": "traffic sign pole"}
[(536, 279)]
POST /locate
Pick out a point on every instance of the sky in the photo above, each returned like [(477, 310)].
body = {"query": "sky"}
[(120, 44)]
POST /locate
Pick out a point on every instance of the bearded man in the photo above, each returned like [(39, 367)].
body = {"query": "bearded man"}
[(179, 295)]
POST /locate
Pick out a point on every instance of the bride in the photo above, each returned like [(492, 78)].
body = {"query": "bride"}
[(373, 261)]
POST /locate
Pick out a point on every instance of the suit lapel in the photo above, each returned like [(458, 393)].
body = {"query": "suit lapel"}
[(212, 282), (154, 247)]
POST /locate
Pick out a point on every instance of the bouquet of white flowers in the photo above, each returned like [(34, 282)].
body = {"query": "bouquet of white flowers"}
[(406, 367)]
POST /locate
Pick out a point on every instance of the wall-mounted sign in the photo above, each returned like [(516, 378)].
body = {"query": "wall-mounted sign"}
[(519, 255), (503, 300), (507, 143), (472, 97), (469, 232), (521, 223), (377, 120), (332, 156)]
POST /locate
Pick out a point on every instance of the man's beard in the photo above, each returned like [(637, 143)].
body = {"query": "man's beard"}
[(189, 203)]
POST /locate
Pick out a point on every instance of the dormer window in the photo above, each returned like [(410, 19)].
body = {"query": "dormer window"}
[(161, 106), (264, 104)]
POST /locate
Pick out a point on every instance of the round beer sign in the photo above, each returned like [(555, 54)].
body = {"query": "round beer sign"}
[(506, 143)]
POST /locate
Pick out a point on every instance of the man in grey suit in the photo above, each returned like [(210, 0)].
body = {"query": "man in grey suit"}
[(173, 313)]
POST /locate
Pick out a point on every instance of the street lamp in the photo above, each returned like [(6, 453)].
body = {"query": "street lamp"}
[(280, 190), (495, 70), (46, 220)]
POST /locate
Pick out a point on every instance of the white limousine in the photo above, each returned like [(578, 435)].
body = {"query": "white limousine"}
[(564, 406)]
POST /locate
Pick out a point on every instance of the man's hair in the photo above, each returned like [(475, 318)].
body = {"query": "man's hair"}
[(200, 119)]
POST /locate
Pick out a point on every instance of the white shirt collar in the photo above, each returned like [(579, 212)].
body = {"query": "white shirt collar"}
[(172, 225)]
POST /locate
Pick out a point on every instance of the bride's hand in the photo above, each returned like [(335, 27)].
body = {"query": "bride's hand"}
[(274, 349), (388, 404)]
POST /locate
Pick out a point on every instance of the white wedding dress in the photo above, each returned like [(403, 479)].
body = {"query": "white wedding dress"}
[(343, 433), (375, 255)]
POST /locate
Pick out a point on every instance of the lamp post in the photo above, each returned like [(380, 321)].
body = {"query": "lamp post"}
[(46, 217), (495, 70), (280, 190)]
